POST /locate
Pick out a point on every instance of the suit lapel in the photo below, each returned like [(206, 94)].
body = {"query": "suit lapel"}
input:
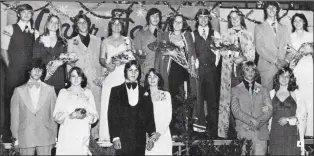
[(124, 94), (81, 44), (244, 90), (42, 96), (26, 97)]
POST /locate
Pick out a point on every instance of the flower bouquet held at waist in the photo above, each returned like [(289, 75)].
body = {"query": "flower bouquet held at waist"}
[(226, 46), (300, 53), (53, 65), (164, 46)]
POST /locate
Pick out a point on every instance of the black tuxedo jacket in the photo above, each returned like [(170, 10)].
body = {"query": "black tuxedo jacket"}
[(130, 123)]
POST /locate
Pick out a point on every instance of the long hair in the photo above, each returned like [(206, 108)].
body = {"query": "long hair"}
[(129, 65), (60, 36), (36, 63), (305, 23), (153, 11), (185, 25), (240, 14), (110, 23), (247, 64), (75, 23), (80, 73), (273, 3), (202, 11), (292, 85), (160, 83)]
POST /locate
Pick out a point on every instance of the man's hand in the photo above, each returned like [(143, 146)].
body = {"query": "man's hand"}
[(111, 67), (254, 124), (117, 144)]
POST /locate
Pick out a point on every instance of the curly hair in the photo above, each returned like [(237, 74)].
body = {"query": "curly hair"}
[(110, 23), (80, 73), (247, 64), (185, 25), (160, 84), (292, 85)]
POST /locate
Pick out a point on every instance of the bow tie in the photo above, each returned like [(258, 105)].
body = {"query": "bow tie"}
[(31, 84), (133, 84)]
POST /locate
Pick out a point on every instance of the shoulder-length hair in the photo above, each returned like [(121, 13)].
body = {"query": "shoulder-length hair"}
[(273, 3), (185, 25), (129, 65), (80, 73), (75, 23), (247, 64), (160, 83), (240, 14), (292, 85), (153, 11), (60, 36), (36, 63), (305, 23), (202, 11), (110, 23)]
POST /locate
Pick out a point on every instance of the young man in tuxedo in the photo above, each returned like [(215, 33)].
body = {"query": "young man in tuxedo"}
[(271, 40), (32, 105), (130, 115), (252, 108)]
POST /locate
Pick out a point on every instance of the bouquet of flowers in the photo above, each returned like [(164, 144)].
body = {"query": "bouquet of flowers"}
[(98, 81), (64, 58), (163, 46), (299, 54), (124, 57)]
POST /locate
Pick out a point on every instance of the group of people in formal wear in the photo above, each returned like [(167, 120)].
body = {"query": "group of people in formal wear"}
[(265, 99)]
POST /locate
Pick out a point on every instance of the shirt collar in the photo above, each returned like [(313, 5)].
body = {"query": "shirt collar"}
[(23, 24), (270, 22), (246, 84), (200, 29)]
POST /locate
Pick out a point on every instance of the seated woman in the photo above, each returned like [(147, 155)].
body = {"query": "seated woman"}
[(162, 114), (75, 111), (284, 133)]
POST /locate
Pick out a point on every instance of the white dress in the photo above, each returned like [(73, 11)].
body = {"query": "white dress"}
[(115, 78), (303, 72), (74, 134), (162, 116)]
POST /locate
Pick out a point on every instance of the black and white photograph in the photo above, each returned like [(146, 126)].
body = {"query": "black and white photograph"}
[(143, 77)]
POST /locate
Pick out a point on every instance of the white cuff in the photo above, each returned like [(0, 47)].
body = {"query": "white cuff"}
[(116, 138), (16, 143), (197, 64)]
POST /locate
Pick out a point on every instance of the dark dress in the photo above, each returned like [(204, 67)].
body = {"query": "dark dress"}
[(48, 54), (130, 123), (283, 139)]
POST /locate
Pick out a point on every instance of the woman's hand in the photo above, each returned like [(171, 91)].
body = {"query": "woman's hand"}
[(283, 121), (172, 53), (239, 59), (155, 136), (111, 67), (74, 115)]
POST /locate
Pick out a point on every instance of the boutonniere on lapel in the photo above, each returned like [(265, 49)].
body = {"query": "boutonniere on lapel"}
[(256, 90), (75, 42), (126, 41)]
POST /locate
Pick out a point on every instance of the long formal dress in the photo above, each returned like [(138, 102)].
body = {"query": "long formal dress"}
[(162, 117), (48, 54), (115, 78), (230, 76), (88, 56), (283, 139), (74, 134)]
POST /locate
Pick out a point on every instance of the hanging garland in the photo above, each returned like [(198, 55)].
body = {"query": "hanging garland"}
[(14, 6), (93, 13), (95, 7), (59, 11)]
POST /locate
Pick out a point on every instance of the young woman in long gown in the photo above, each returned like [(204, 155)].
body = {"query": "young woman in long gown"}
[(284, 132), (114, 45), (162, 113), (48, 47), (75, 111)]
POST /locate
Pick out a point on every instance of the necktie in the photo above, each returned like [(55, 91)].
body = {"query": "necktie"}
[(31, 84), (26, 29), (274, 27), (133, 84), (250, 89), (155, 33), (204, 34)]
